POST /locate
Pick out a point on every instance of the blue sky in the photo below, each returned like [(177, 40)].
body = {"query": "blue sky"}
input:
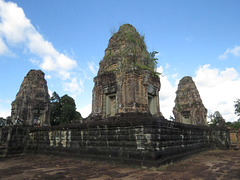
[(67, 39)]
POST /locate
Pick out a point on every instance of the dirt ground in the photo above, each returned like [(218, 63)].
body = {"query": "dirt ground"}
[(207, 165)]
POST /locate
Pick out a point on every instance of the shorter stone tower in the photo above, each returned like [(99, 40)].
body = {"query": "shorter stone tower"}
[(32, 104), (189, 108), (126, 80)]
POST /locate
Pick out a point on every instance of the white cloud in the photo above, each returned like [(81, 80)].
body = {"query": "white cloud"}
[(85, 111), (3, 48), (64, 75), (5, 113), (74, 86), (174, 76), (48, 77), (93, 67), (37, 45), (218, 90), (65, 62), (48, 63), (81, 83), (5, 109), (234, 51), (5, 101), (160, 69), (17, 29), (14, 23), (167, 66), (50, 93), (167, 95), (34, 61)]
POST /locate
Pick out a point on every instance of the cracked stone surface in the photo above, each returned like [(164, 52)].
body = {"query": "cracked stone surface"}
[(206, 165)]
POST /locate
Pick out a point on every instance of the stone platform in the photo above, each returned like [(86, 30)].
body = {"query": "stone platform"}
[(131, 139)]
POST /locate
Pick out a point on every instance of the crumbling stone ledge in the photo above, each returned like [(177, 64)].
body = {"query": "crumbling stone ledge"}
[(129, 139)]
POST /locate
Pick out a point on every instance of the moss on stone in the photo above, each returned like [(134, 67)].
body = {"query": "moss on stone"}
[(127, 49)]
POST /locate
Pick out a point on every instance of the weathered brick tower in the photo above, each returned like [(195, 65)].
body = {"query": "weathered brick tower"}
[(32, 104), (126, 80), (189, 108)]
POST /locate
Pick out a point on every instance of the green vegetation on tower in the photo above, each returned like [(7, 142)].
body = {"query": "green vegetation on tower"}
[(128, 49)]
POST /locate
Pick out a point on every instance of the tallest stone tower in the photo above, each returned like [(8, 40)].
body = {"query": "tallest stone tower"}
[(126, 80)]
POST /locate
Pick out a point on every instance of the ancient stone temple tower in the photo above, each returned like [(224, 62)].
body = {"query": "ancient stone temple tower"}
[(189, 108), (126, 80), (32, 104)]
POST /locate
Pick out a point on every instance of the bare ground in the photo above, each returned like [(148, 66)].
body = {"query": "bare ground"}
[(207, 165)]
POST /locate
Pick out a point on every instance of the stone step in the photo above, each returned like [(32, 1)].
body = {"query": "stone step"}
[(3, 147), (3, 150), (235, 146), (3, 153)]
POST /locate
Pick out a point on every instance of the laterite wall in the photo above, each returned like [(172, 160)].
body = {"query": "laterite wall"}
[(130, 140)]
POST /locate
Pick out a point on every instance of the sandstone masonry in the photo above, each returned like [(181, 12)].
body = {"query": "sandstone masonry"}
[(126, 82), (32, 104), (126, 125), (188, 107), (131, 140)]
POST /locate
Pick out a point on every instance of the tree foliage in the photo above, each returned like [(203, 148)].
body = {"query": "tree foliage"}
[(217, 120), (153, 59), (132, 51), (2, 121), (5, 122), (233, 125), (68, 109), (63, 110), (55, 106), (172, 118), (237, 107)]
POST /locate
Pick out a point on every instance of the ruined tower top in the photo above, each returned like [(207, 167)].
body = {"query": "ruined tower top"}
[(188, 103), (32, 103), (126, 48), (35, 77)]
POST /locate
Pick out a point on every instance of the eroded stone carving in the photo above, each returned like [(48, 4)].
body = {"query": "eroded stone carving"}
[(189, 108), (31, 106), (126, 82)]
